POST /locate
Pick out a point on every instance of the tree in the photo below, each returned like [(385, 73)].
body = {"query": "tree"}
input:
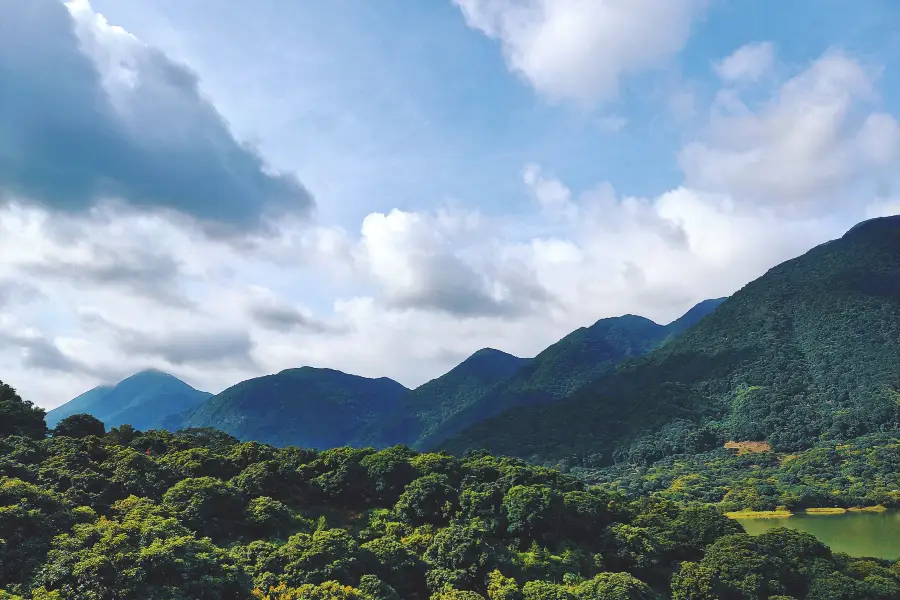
[(80, 426), (20, 417), (206, 505)]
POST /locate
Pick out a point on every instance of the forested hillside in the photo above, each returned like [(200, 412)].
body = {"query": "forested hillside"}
[(428, 406), (864, 472), (806, 353), (143, 400), (491, 381), (131, 515), (318, 408)]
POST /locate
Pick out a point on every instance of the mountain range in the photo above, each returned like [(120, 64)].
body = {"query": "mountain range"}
[(322, 408), (806, 353)]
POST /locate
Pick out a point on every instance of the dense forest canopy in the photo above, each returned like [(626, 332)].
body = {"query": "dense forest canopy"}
[(125, 514)]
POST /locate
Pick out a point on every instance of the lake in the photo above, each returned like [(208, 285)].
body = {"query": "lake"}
[(856, 533)]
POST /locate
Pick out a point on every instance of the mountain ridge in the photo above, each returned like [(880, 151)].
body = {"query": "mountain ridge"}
[(807, 350), (304, 406), (142, 400)]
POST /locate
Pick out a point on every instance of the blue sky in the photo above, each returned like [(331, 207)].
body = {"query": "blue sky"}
[(423, 178), (376, 91)]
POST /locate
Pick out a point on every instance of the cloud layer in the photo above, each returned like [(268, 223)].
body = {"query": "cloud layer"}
[(118, 120)]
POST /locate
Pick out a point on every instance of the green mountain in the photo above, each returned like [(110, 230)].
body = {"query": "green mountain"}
[(692, 317), (143, 400), (309, 407), (433, 403), (566, 366), (806, 353)]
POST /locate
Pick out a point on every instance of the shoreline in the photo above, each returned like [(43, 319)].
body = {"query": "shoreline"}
[(784, 513)]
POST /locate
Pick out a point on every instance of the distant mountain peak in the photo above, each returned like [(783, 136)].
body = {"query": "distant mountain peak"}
[(327, 372), (694, 315), (890, 223), (142, 400), (623, 319), (491, 352), (150, 374)]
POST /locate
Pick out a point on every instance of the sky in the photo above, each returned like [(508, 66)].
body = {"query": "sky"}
[(222, 190)]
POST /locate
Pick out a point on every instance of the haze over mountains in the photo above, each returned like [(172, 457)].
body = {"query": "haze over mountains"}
[(323, 408)]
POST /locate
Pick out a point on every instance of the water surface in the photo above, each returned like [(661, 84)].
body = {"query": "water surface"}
[(856, 533)]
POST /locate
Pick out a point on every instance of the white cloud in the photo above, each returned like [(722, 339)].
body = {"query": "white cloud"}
[(747, 64), (811, 142), (581, 49)]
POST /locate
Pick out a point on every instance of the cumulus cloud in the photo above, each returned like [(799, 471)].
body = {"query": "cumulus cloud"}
[(811, 142), (413, 258), (271, 312), (41, 352), (120, 120), (580, 50), (199, 345), (748, 63)]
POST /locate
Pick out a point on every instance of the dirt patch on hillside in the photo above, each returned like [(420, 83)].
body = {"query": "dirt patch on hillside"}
[(748, 447)]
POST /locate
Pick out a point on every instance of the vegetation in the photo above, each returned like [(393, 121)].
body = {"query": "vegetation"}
[(864, 472), (806, 354), (199, 515), (318, 408), (433, 403)]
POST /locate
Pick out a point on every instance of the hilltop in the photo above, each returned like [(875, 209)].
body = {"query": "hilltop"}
[(316, 408), (143, 400)]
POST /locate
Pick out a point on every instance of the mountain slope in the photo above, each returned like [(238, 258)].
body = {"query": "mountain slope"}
[(693, 316), (317, 408), (569, 364), (143, 400), (810, 350), (438, 400)]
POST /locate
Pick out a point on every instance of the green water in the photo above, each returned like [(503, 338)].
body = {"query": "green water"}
[(856, 533)]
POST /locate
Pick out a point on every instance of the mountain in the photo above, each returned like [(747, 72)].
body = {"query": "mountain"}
[(808, 352), (429, 405), (317, 408), (693, 316), (143, 400), (567, 365)]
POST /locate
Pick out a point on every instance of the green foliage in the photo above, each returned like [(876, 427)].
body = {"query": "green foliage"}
[(490, 381), (205, 504), (19, 417), (80, 425), (318, 408), (861, 472), (204, 516)]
